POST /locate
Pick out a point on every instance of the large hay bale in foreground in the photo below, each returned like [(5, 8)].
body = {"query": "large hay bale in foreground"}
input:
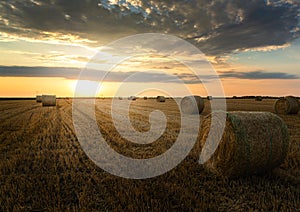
[(287, 105), (160, 99), (48, 100), (39, 99), (192, 104), (252, 143)]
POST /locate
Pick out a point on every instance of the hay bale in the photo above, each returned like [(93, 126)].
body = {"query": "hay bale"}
[(133, 98), (38, 99), (145, 97), (209, 97), (49, 100), (258, 98), (252, 143), (287, 105), (160, 99), (192, 105)]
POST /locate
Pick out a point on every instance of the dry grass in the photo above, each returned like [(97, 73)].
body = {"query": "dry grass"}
[(42, 166)]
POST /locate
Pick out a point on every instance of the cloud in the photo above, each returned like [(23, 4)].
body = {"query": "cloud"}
[(254, 75), (134, 76), (97, 75), (25, 71), (217, 27)]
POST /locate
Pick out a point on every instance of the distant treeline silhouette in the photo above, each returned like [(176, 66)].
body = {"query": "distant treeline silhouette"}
[(150, 97)]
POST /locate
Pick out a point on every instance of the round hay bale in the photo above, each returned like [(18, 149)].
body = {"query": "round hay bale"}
[(287, 105), (192, 105), (145, 97), (209, 97), (133, 98), (38, 99), (258, 98), (49, 100), (160, 99), (252, 143)]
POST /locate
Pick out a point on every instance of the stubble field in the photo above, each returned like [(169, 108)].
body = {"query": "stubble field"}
[(42, 166)]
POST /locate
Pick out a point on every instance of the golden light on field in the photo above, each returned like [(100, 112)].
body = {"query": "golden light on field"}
[(41, 152)]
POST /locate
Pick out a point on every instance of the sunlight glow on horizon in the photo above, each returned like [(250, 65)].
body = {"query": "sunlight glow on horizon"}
[(30, 87)]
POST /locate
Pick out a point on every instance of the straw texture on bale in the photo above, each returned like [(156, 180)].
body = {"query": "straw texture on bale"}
[(252, 143), (287, 105), (192, 105), (48, 100), (38, 98), (160, 99)]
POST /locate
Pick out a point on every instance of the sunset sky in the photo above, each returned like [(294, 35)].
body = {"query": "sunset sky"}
[(253, 45)]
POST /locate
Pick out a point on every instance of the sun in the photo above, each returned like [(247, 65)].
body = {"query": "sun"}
[(85, 88)]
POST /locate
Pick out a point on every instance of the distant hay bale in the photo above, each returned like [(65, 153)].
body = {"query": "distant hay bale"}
[(145, 97), (133, 98), (192, 105), (49, 100), (287, 105), (160, 99), (120, 98), (209, 97), (258, 98), (39, 99), (252, 143)]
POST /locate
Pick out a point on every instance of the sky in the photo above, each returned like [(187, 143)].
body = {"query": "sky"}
[(253, 46)]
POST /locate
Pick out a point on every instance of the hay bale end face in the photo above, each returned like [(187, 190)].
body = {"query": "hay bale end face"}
[(192, 105), (287, 105), (38, 99), (252, 143), (160, 99), (49, 100)]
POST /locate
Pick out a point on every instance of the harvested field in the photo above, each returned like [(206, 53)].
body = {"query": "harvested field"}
[(42, 166)]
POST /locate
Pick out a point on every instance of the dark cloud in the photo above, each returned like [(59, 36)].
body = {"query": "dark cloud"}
[(96, 75), (217, 27), (257, 75), (133, 76), (25, 71)]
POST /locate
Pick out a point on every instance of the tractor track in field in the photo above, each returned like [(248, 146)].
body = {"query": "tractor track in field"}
[(17, 113)]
